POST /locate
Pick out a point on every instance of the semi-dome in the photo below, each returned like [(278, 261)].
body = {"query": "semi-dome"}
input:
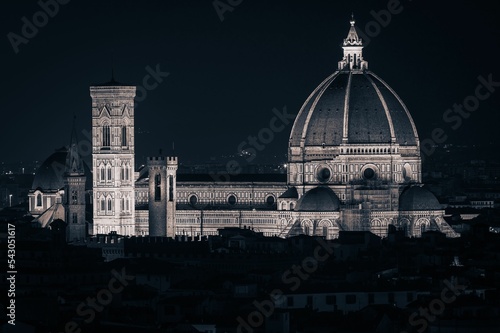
[(49, 176), (290, 193), (318, 199), (418, 198), (353, 106)]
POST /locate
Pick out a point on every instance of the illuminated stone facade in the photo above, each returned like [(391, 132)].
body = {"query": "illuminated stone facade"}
[(353, 164), (113, 158)]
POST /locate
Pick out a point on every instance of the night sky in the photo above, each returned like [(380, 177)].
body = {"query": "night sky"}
[(226, 77)]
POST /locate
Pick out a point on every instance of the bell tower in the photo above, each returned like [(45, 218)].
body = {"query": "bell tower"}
[(113, 158)]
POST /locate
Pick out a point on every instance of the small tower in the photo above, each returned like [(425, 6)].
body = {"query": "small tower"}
[(353, 51), (74, 193), (172, 165), (113, 158), (157, 202)]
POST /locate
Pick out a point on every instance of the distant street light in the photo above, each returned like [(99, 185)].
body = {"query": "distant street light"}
[(10, 200)]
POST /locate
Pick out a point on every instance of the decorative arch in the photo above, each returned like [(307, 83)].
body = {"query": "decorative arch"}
[(325, 223), (193, 199), (369, 171), (423, 220), (108, 172), (103, 204), (232, 199), (38, 199), (106, 135), (307, 227), (124, 135), (109, 206), (270, 199), (103, 122), (324, 228), (421, 225), (376, 226), (403, 222)]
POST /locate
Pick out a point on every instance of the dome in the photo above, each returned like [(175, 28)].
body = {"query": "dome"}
[(418, 198), (318, 199), (353, 106), (49, 176), (372, 110)]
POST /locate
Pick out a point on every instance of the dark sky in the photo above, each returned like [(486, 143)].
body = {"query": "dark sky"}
[(226, 77)]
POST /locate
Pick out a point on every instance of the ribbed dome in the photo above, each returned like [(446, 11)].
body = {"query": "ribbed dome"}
[(353, 106), (49, 176), (418, 198), (356, 106), (319, 199)]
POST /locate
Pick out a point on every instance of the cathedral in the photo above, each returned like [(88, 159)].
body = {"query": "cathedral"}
[(353, 165)]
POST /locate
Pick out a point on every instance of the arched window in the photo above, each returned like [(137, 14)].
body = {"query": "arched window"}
[(291, 206), (106, 136), (109, 172), (39, 200), (158, 187), (124, 135), (270, 200), (103, 204), (306, 230), (231, 200), (110, 205), (193, 200), (170, 188)]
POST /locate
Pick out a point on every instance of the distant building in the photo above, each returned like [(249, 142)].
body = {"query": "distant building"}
[(61, 191), (345, 301)]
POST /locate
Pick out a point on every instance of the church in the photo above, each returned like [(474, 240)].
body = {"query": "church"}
[(353, 165)]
